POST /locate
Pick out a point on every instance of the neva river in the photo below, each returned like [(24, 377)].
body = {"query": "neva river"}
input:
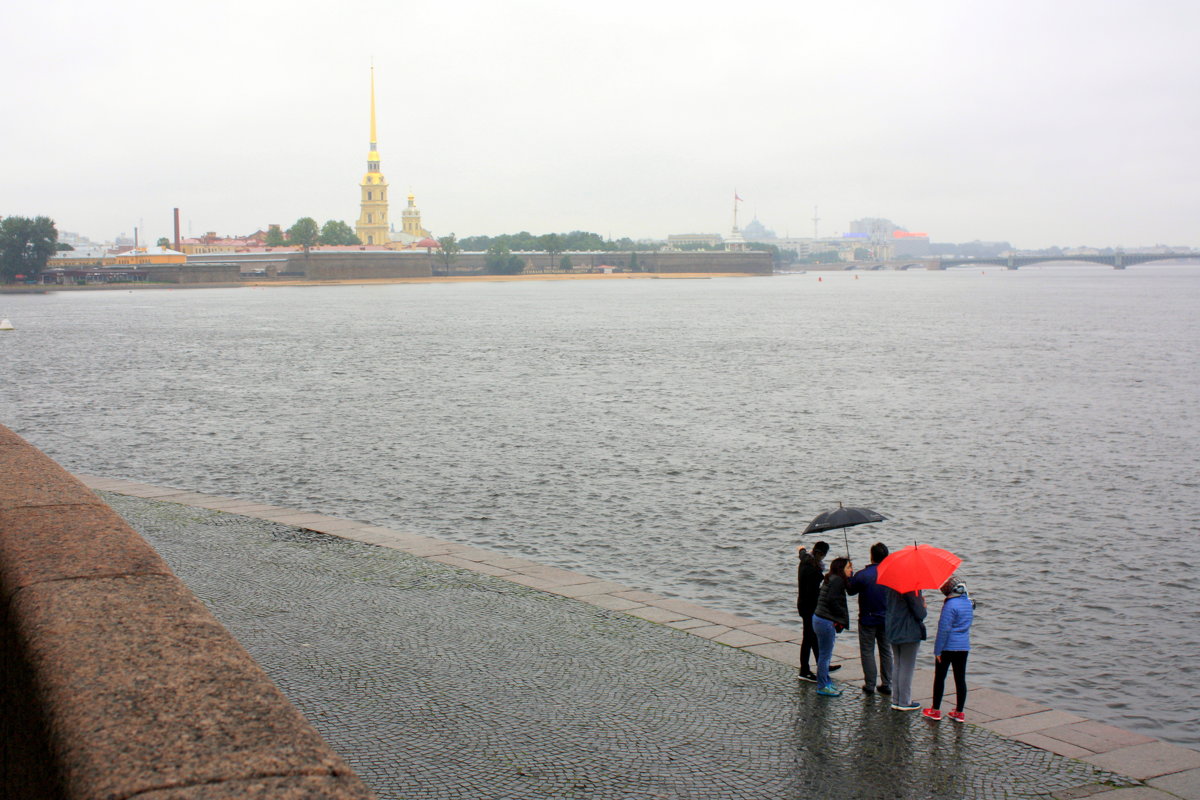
[(677, 435)]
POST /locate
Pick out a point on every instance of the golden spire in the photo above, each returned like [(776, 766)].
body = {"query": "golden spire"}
[(373, 139)]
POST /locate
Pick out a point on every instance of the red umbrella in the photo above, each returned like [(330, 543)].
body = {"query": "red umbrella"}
[(919, 566)]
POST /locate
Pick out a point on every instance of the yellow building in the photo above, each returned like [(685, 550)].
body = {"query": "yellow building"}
[(410, 227), (372, 227), (143, 256)]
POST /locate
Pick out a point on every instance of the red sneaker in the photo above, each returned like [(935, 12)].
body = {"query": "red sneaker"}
[(934, 714), (957, 716)]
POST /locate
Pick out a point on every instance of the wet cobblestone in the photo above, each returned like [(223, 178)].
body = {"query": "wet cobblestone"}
[(434, 682)]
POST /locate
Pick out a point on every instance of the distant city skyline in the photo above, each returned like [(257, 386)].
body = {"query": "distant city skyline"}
[(970, 122)]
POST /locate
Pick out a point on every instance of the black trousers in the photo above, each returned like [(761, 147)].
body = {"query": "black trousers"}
[(958, 660), (808, 644)]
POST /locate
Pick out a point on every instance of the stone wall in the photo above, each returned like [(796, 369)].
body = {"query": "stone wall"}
[(751, 262), (192, 273), (355, 266), (115, 681)]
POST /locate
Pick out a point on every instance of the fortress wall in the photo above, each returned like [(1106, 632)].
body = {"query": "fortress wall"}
[(114, 679), (751, 262), (350, 265), (191, 273)]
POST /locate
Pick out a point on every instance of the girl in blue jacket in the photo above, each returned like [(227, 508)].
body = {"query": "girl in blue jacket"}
[(952, 647)]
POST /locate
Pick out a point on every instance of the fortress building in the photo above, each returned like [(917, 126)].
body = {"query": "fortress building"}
[(373, 226)]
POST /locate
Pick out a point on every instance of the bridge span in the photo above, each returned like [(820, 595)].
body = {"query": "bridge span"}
[(1116, 260)]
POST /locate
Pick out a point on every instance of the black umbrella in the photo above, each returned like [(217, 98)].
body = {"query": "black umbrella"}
[(842, 517)]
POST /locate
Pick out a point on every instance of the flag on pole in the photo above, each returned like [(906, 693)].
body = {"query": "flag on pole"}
[(736, 197)]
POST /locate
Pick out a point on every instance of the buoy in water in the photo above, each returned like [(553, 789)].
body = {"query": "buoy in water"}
[(5, 325), (818, 279)]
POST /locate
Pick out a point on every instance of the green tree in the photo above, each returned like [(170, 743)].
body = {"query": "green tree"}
[(60, 247), (633, 262), (450, 249), (475, 243), (565, 263), (552, 243), (25, 246), (304, 233), (275, 236), (337, 232), (163, 242), (501, 261), (861, 254)]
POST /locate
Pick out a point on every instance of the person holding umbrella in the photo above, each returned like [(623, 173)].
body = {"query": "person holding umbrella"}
[(872, 616), (905, 626), (906, 573), (809, 573), (831, 618)]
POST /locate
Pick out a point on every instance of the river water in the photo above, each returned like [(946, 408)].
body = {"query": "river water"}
[(677, 435)]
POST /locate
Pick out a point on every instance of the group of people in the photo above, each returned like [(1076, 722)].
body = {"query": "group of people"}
[(891, 623)]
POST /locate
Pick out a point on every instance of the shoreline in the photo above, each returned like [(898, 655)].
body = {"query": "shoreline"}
[(551, 276)]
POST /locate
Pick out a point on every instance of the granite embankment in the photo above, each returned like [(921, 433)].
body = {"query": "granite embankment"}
[(115, 681)]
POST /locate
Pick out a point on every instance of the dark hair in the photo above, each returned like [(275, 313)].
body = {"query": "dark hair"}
[(879, 551), (820, 549), (838, 567)]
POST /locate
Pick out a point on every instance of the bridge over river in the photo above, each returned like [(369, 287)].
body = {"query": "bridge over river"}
[(1116, 260)]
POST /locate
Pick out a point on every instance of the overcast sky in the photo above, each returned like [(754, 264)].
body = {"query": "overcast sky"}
[(1039, 122)]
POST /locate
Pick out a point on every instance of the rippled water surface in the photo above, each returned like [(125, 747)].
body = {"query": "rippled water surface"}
[(676, 435)]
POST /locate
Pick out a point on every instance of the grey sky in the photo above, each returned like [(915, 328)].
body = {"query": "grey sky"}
[(1037, 121)]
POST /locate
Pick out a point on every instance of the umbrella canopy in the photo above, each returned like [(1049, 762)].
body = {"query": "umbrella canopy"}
[(916, 567), (842, 517)]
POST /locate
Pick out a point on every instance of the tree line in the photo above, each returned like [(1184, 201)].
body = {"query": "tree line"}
[(306, 233), (554, 242)]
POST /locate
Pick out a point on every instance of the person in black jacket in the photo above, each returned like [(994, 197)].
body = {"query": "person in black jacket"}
[(810, 574), (831, 618)]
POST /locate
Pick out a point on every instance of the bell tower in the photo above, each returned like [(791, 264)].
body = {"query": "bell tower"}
[(372, 227)]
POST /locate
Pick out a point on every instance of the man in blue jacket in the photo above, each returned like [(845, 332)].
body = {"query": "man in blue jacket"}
[(872, 617)]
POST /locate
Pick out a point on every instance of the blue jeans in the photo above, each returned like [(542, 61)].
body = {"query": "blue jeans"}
[(826, 634)]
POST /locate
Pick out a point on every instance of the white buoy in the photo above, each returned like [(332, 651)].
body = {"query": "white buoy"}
[(5, 325)]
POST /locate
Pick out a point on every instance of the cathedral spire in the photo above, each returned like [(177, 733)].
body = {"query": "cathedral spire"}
[(373, 155), (373, 139), (373, 227)]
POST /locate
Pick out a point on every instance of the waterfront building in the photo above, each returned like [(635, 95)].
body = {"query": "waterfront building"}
[(755, 231), (143, 256), (411, 233), (212, 243), (680, 241)]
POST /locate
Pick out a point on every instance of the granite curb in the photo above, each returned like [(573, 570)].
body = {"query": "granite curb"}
[(1165, 770), (116, 681)]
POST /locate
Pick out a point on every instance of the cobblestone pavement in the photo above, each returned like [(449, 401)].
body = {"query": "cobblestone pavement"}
[(434, 682)]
